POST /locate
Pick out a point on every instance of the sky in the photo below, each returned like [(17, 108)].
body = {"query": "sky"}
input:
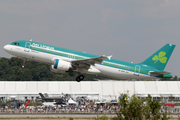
[(130, 30)]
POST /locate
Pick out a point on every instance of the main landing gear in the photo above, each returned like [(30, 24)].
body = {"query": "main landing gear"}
[(80, 78)]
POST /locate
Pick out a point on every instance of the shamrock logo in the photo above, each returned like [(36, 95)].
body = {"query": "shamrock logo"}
[(161, 57)]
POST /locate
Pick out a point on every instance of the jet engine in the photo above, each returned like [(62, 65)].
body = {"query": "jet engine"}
[(60, 66)]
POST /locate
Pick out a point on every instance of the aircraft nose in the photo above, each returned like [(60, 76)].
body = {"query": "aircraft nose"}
[(6, 48)]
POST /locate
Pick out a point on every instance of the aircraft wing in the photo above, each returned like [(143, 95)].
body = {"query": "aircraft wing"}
[(88, 62), (159, 73)]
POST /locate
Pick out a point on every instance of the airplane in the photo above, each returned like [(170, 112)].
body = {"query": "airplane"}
[(63, 60), (48, 99), (53, 104), (18, 105), (60, 101)]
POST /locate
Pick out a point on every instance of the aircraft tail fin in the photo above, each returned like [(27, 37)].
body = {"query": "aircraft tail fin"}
[(27, 103), (42, 96), (160, 58)]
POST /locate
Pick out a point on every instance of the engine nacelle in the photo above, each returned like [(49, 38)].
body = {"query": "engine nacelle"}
[(60, 66)]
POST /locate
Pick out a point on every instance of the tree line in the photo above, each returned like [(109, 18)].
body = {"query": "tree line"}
[(136, 108), (11, 70)]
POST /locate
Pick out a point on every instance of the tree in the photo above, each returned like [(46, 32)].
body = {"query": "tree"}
[(135, 108), (11, 70), (26, 75), (154, 108), (175, 78), (171, 97)]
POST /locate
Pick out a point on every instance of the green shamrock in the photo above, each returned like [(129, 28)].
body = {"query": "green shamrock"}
[(161, 57)]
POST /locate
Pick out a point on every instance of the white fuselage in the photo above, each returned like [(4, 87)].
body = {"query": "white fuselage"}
[(49, 59)]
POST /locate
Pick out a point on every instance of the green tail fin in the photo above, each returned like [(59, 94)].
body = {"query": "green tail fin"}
[(160, 58)]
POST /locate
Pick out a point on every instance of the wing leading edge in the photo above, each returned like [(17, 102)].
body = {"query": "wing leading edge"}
[(91, 61)]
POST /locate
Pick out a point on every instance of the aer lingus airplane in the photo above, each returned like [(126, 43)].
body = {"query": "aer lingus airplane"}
[(65, 60)]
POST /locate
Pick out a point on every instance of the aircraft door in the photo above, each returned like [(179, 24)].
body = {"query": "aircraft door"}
[(137, 70), (27, 47)]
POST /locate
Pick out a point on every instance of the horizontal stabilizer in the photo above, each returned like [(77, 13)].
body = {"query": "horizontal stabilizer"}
[(158, 73)]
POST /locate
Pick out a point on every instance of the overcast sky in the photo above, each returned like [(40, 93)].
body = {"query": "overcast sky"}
[(130, 30)]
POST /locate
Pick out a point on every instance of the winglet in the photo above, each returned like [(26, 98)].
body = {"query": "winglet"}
[(109, 57)]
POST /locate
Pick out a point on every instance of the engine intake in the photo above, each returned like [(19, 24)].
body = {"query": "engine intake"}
[(60, 66)]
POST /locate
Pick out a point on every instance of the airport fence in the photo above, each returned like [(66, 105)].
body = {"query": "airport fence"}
[(51, 110)]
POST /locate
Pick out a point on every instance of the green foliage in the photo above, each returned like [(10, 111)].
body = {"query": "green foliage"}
[(11, 70), (115, 118), (130, 107), (171, 97), (154, 107), (165, 115), (70, 118), (134, 108), (104, 117), (175, 78)]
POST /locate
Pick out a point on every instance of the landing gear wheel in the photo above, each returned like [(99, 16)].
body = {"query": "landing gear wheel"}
[(80, 78)]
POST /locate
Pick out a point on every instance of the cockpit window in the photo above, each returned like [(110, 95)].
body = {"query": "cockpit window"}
[(14, 43)]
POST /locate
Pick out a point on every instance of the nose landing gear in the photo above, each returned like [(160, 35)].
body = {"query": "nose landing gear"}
[(24, 63), (80, 78)]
